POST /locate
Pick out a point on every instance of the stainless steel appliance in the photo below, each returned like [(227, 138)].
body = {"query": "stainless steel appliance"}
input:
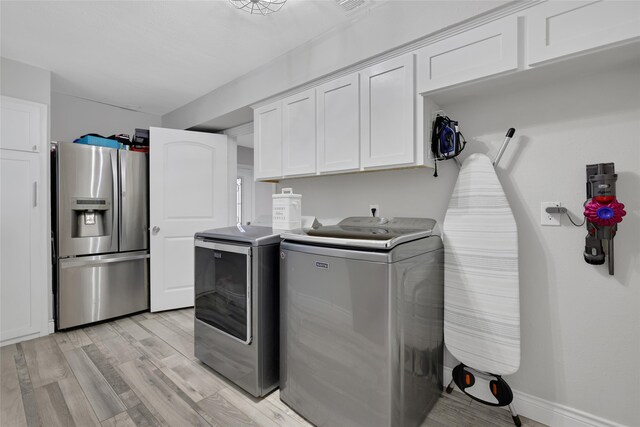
[(361, 333), (100, 221), (236, 305)]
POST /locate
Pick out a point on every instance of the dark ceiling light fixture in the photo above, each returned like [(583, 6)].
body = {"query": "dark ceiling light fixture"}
[(260, 7)]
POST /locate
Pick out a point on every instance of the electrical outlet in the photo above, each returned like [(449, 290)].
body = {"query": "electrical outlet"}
[(376, 207), (547, 218)]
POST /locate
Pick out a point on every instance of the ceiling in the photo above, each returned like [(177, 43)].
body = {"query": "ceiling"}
[(155, 56)]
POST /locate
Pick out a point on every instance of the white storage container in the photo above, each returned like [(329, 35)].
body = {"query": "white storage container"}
[(287, 210)]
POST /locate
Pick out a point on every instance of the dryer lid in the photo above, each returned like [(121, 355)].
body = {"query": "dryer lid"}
[(251, 234)]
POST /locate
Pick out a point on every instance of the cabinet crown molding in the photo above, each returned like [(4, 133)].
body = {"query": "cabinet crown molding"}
[(508, 9)]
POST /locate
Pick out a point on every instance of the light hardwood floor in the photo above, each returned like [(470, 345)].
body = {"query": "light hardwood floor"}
[(141, 371)]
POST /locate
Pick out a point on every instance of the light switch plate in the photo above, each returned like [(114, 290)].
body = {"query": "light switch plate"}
[(547, 218)]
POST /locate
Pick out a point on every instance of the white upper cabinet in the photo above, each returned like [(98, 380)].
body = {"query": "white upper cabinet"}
[(299, 134), (379, 117), (268, 141), (483, 51), (387, 126), (557, 29), (338, 124), (28, 125)]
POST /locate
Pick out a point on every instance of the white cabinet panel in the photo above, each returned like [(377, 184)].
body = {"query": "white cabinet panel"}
[(299, 134), (339, 125), (267, 122), (480, 52), (561, 28), (22, 265), (387, 113), (23, 125)]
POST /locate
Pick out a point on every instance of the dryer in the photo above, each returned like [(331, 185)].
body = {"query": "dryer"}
[(236, 305), (361, 321)]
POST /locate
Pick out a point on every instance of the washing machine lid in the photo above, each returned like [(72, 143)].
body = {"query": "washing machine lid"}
[(251, 234), (366, 232)]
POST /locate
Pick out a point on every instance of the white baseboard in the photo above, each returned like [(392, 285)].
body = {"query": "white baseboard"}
[(546, 412), (52, 326), (27, 337)]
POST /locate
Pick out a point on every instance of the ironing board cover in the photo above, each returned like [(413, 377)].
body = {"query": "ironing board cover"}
[(481, 287)]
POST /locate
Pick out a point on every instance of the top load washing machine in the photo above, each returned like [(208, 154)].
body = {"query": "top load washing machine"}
[(361, 321)]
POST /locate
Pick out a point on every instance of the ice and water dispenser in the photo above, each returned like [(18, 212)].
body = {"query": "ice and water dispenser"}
[(91, 217)]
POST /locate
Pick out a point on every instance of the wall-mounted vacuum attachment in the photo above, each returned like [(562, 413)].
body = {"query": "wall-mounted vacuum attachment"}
[(602, 212)]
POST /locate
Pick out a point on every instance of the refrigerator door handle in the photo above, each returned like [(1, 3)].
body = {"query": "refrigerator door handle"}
[(53, 248), (115, 217), (122, 185), (84, 261)]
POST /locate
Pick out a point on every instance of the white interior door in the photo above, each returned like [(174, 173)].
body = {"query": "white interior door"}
[(188, 192)]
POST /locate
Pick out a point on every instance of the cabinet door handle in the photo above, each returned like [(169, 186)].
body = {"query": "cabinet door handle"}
[(35, 194)]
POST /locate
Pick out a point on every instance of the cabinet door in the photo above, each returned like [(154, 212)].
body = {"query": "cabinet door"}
[(268, 141), (557, 29), (24, 125), (299, 134), (339, 125), (22, 264), (387, 113), (481, 52)]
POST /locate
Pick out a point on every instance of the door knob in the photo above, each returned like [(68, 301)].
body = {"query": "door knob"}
[(155, 229)]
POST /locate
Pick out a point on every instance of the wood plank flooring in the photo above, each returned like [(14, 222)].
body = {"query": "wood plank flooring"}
[(141, 371)]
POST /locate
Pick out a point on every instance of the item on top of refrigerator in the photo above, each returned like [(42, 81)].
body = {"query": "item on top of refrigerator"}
[(139, 148), (95, 139), (140, 137), (121, 137)]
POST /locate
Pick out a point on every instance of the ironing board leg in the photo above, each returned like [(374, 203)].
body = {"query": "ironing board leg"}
[(514, 415), (450, 387)]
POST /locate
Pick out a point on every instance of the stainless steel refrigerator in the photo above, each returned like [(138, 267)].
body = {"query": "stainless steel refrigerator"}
[(101, 244)]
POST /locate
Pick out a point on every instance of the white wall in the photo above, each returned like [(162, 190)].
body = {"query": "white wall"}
[(73, 117), (580, 327), (260, 191), (24, 81), (369, 36), (245, 155)]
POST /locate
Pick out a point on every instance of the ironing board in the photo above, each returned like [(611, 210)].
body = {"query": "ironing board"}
[(481, 290)]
